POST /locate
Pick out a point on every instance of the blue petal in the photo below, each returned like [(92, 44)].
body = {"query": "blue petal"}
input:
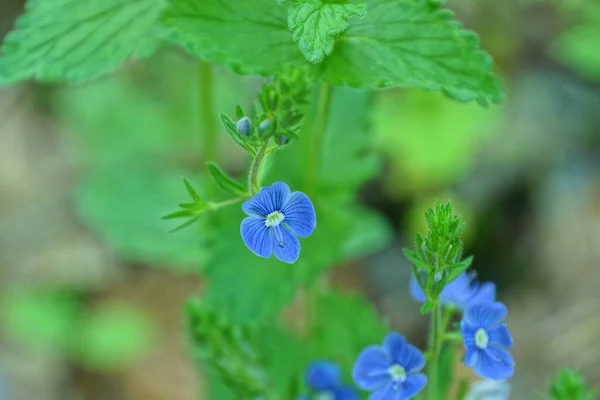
[(471, 357), (415, 290), (484, 315), (370, 370), (299, 214), (413, 384), (323, 375), (387, 392), (500, 336), (485, 293), (403, 353), (256, 236), (494, 364), (269, 199), (286, 245), (345, 393)]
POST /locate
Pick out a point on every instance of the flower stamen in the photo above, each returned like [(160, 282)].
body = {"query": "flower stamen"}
[(274, 219), (481, 338)]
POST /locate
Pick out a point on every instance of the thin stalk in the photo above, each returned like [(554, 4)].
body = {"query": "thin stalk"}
[(435, 341), (206, 126), (315, 139)]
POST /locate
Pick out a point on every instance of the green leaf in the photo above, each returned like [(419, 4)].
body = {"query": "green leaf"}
[(195, 196), (76, 39), (570, 385), (226, 182), (315, 24), (412, 44), (445, 369), (250, 37), (239, 139), (125, 205), (578, 47)]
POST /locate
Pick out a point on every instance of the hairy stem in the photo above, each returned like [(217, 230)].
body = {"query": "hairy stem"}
[(314, 141), (254, 176)]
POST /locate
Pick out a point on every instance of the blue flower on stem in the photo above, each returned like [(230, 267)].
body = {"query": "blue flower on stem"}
[(325, 378), (390, 371), (486, 341), (275, 218), (460, 293)]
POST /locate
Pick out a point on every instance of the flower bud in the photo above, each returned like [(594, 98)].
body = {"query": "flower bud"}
[(264, 126), (281, 140), (244, 126)]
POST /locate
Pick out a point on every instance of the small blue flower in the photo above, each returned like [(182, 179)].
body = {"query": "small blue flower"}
[(390, 371), (486, 341), (276, 217), (460, 293), (325, 378)]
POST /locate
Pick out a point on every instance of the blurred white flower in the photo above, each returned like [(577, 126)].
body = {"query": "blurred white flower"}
[(489, 390)]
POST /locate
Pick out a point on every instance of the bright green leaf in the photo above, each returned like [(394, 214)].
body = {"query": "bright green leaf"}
[(250, 37), (578, 47), (77, 39), (316, 23), (412, 44)]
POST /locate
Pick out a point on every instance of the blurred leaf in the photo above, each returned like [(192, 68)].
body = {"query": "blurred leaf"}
[(446, 366), (125, 205), (111, 339), (578, 47), (338, 334), (570, 385), (76, 39), (428, 140), (40, 319)]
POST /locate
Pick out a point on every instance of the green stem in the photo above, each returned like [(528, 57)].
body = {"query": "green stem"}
[(221, 204), (254, 176), (206, 127), (315, 139), (435, 341)]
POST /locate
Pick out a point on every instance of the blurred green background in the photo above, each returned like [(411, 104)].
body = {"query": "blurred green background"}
[(92, 286)]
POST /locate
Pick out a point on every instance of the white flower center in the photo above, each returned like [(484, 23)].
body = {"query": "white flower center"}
[(397, 373), (481, 338), (274, 219), (324, 396)]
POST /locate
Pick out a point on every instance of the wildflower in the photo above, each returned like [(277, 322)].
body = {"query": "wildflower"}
[(276, 217), (460, 293), (390, 371), (244, 126), (489, 390), (486, 341), (325, 379)]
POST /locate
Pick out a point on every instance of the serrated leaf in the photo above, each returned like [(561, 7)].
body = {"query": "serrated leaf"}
[(250, 37), (76, 39), (412, 44), (226, 182), (315, 24)]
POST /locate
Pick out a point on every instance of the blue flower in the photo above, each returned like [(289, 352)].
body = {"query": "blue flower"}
[(325, 378), (460, 293), (486, 341), (390, 371), (276, 217)]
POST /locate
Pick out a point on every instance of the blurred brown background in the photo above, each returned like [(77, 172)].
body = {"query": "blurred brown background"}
[(98, 316)]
